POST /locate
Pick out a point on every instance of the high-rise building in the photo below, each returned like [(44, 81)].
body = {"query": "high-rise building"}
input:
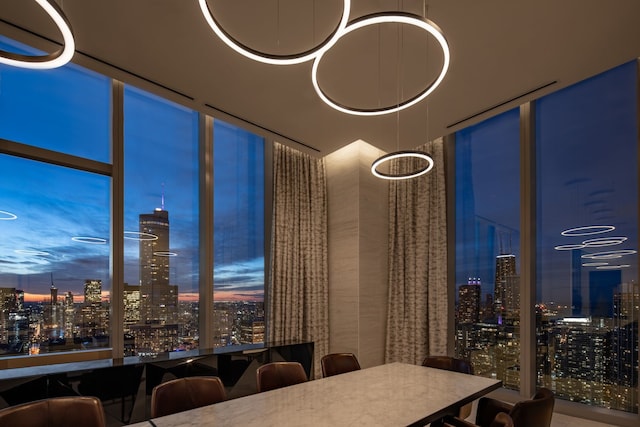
[(624, 346), (131, 296), (92, 291), (601, 286), (505, 268), (469, 301), (576, 282)]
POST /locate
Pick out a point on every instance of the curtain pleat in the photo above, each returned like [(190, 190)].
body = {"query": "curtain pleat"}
[(417, 310), (297, 295)]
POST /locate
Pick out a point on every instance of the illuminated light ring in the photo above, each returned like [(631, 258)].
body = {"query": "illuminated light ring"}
[(267, 58), (610, 254), (137, 235), (7, 216), (613, 267), (52, 60), (588, 230), (165, 253), (569, 247), (397, 155), (381, 18), (604, 241), (31, 252), (89, 240), (594, 264)]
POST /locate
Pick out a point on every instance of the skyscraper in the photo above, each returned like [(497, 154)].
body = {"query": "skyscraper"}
[(469, 301), (505, 268)]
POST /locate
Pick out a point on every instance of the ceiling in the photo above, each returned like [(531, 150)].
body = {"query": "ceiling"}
[(503, 53)]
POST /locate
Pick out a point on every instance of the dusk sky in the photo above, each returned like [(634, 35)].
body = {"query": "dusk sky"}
[(62, 216)]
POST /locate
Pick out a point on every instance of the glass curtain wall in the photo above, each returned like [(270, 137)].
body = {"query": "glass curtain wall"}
[(238, 236), (54, 220), (587, 295), (587, 290), (487, 247)]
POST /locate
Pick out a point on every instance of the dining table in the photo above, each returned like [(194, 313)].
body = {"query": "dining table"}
[(393, 394)]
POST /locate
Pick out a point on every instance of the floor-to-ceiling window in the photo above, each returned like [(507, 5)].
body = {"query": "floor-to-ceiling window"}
[(587, 225), (56, 221), (586, 221), (238, 236), (54, 216), (487, 247)]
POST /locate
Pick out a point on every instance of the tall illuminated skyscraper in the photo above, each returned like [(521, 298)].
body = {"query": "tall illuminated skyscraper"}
[(505, 268), (469, 301), (92, 291)]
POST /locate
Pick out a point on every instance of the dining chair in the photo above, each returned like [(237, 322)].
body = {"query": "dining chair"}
[(279, 374), (535, 412), (338, 363), (502, 419), (55, 412), (456, 365), (186, 393)]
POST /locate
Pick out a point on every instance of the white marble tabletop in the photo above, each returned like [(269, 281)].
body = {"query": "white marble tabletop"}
[(395, 394)]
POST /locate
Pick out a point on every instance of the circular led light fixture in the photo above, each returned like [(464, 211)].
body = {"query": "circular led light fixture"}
[(90, 240), (610, 254), (588, 230), (7, 216), (400, 154), (165, 253), (613, 267), (382, 18), (603, 241), (267, 58), (568, 247), (137, 235), (52, 60)]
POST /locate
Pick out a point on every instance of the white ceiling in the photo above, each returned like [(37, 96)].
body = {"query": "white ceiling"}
[(502, 51)]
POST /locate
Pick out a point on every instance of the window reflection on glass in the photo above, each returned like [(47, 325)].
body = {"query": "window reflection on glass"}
[(238, 236), (161, 225), (54, 258), (487, 247), (65, 109), (587, 290)]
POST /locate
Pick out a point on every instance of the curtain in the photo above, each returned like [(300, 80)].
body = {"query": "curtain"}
[(417, 310), (298, 290)]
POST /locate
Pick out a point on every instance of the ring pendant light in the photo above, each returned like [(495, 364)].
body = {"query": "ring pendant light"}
[(268, 58), (397, 155), (52, 60), (382, 18)]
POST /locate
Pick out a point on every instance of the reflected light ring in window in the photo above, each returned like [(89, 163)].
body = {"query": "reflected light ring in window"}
[(588, 230), (604, 241), (89, 240), (569, 247), (7, 216), (610, 254)]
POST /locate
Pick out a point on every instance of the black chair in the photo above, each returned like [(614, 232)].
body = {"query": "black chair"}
[(536, 412), (452, 364), (501, 420), (279, 374), (339, 363), (55, 412), (187, 393)]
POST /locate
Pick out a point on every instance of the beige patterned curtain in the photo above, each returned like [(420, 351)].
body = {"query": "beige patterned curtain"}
[(298, 292), (417, 311)]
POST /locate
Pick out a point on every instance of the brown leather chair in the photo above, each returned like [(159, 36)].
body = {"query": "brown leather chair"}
[(501, 420), (187, 393), (279, 374), (55, 412), (452, 364), (339, 363), (536, 412)]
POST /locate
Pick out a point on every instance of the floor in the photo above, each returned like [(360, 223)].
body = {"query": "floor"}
[(561, 420)]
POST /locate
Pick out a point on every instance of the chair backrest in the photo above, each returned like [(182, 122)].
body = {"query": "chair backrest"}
[(448, 363), (536, 412), (55, 412), (502, 420), (451, 364), (187, 393), (279, 374), (339, 363)]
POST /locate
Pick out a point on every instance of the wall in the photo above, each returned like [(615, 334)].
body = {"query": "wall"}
[(358, 235)]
